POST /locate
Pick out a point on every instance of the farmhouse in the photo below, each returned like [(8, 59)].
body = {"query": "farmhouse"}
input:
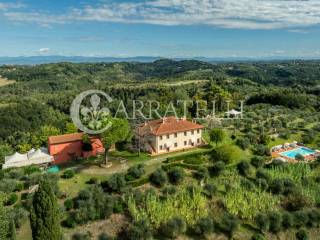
[(169, 134), (71, 147)]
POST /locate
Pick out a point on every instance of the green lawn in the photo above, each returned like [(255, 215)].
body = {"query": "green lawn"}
[(135, 157)]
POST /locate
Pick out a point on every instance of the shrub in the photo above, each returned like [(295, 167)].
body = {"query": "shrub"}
[(118, 207), (135, 172), (68, 204), (70, 221), (300, 218), (299, 157), (19, 187), (229, 224), (216, 135), (257, 161), (243, 168), (31, 169), (104, 236), (176, 175), (262, 222), (275, 222), (296, 201), (204, 226), (262, 184), (289, 187), (261, 150), (263, 174), (93, 180), (287, 220), (243, 143), (201, 173), (12, 199), (313, 217), (19, 215), (257, 236), (140, 230), (67, 174), (159, 177), (174, 227), (115, 183), (247, 184), (210, 189), (7, 185), (302, 234), (217, 168), (277, 186), (16, 173), (169, 190), (81, 236), (139, 182), (92, 204), (225, 153)]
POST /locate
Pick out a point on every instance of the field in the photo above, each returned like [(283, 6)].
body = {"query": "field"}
[(5, 81)]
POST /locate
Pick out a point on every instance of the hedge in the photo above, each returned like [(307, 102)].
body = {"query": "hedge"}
[(183, 165), (139, 182)]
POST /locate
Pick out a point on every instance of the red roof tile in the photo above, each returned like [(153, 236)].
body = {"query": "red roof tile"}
[(166, 126), (72, 137)]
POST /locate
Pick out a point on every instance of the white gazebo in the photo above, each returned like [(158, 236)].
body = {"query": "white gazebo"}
[(33, 157), (233, 113)]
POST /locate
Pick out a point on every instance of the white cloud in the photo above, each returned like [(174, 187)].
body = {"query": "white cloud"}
[(244, 14), (8, 6), (44, 50)]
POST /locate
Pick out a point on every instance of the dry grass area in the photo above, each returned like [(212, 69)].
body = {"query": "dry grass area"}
[(112, 226), (4, 81)]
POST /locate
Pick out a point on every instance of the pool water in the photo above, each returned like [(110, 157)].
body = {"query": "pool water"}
[(53, 169), (293, 153)]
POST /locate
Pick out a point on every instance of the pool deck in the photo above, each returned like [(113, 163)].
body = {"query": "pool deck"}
[(308, 158)]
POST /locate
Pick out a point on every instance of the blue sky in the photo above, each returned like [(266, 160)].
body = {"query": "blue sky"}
[(167, 28)]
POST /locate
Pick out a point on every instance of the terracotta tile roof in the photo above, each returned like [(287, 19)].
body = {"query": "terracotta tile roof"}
[(167, 125), (72, 137)]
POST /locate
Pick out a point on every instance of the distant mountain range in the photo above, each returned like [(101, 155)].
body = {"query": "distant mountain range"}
[(32, 60)]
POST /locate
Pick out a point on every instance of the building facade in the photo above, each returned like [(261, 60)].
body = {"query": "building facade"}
[(168, 135), (71, 147)]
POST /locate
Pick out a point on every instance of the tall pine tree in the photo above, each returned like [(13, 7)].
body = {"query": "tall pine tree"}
[(44, 216)]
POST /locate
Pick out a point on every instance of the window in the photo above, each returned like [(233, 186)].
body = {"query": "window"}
[(198, 140), (160, 147), (175, 135), (175, 144), (185, 143), (160, 137), (168, 136), (198, 131), (185, 133), (192, 132)]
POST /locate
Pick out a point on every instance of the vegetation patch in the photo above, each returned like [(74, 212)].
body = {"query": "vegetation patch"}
[(190, 206)]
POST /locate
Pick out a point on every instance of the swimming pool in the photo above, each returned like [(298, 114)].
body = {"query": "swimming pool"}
[(293, 153), (53, 169)]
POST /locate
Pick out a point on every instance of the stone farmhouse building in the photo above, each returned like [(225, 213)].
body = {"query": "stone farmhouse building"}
[(169, 134)]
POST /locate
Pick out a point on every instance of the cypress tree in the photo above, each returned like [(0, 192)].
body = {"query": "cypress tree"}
[(4, 224), (12, 231), (44, 216)]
